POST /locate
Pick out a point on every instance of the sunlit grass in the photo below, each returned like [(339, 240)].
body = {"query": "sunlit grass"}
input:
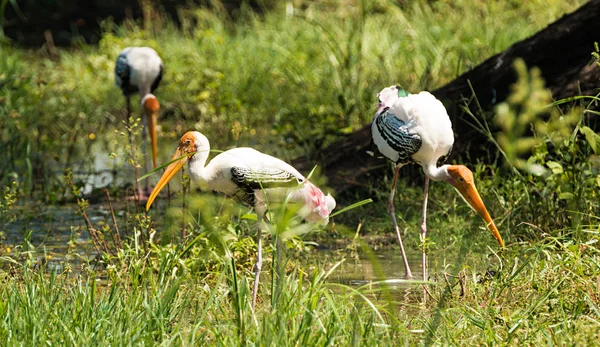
[(545, 291), (289, 84)]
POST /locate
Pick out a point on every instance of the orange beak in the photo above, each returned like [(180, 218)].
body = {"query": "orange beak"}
[(166, 177), (151, 107), (469, 192)]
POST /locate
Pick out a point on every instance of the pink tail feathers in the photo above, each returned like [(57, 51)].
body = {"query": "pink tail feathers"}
[(317, 206)]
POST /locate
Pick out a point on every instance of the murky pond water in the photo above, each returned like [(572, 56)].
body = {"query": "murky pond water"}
[(60, 230)]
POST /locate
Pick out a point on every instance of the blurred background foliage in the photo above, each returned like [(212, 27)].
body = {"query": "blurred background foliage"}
[(285, 77)]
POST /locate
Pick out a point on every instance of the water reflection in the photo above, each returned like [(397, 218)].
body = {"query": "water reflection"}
[(377, 274), (58, 233)]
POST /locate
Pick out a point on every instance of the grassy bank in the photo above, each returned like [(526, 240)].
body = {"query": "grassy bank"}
[(545, 293)]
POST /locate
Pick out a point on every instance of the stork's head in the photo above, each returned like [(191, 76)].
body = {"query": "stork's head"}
[(387, 96), (190, 143), (462, 179), (151, 107)]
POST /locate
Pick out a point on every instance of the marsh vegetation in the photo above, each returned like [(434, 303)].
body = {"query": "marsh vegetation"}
[(81, 265)]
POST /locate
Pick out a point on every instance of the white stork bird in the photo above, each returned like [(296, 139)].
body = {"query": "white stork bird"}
[(140, 69), (415, 128), (253, 178)]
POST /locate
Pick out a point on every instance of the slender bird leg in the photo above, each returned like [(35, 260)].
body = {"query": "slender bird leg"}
[(392, 212), (423, 235), (258, 265)]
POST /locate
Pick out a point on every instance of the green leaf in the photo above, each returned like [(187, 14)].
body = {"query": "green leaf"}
[(592, 138), (565, 196), (250, 216), (360, 203), (555, 167)]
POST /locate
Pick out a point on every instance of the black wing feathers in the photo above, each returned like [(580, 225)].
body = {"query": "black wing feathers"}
[(123, 72), (249, 180), (397, 135), (262, 177), (157, 80)]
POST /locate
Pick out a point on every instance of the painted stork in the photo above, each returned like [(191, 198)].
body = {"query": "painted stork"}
[(140, 69), (415, 128), (251, 177)]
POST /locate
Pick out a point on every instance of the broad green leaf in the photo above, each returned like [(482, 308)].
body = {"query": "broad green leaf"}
[(592, 138), (565, 196)]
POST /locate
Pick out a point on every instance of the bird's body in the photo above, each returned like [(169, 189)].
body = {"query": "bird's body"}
[(140, 69), (416, 128), (255, 178), (420, 125), (251, 177)]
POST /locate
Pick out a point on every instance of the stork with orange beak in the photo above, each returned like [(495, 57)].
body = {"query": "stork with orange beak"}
[(415, 128), (253, 178), (140, 69)]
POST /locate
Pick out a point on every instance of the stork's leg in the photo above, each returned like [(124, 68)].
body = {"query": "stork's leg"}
[(392, 212), (127, 108), (258, 265), (423, 235)]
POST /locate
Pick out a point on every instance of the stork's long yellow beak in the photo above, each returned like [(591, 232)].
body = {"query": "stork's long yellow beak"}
[(151, 108), (471, 195), (152, 119), (166, 177)]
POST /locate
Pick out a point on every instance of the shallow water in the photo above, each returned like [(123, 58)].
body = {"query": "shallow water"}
[(60, 230)]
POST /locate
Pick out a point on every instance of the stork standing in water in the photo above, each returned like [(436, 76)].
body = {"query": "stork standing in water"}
[(253, 178), (415, 128), (139, 69)]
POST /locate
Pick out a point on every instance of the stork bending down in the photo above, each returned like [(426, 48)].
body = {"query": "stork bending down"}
[(253, 178), (139, 69), (415, 128)]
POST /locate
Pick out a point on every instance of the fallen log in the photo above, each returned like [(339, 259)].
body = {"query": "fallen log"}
[(563, 53)]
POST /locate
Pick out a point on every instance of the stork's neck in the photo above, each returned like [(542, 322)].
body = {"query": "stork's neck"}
[(437, 173), (197, 165)]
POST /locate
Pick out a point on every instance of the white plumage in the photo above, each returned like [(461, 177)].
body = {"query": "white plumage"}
[(278, 178), (416, 128), (421, 114), (252, 177), (138, 69)]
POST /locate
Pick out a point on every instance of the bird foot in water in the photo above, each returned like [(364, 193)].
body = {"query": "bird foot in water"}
[(142, 195), (138, 197)]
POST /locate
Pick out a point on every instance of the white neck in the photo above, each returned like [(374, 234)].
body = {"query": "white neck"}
[(437, 173), (197, 166)]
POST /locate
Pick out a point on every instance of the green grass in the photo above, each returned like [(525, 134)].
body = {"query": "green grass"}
[(289, 85), (285, 84), (546, 293)]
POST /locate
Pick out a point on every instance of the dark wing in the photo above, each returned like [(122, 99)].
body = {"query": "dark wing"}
[(262, 177), (443, 158), (122, 75), (251, 179), (157, 79), (397, 135)]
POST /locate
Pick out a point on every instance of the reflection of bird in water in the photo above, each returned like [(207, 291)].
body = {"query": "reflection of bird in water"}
[(254, 178), (415, 128)]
